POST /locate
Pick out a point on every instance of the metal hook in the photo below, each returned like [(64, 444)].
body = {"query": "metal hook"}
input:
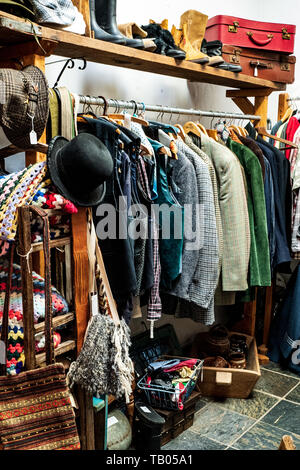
[(70, 64), (105, 106), (135, 107), (87, 107)]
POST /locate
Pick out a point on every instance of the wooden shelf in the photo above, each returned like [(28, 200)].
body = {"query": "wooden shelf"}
[(14, 31), (12, 150), (57, 321), (61, 349)]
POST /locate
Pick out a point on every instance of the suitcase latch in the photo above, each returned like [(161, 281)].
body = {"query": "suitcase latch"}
[(257, 64), (285, 34), (285, 67), (235, 58), (233, 28)]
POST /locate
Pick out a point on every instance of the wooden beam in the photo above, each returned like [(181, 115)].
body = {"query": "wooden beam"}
[(17, 51), (283, 105), (261, 109), (12, 150), (246, 92), (244, 104)]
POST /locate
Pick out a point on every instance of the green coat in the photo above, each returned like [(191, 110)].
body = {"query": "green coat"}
[(259, 266)]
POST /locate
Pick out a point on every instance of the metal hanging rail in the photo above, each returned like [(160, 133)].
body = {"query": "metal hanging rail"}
[(132, 105), (297, 98)]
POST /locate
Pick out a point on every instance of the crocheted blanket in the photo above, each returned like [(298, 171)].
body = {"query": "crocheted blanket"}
[(15, 356)]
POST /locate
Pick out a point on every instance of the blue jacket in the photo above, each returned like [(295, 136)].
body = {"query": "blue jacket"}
[(285, 330)]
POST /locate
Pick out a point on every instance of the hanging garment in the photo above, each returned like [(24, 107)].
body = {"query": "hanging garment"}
[(259, 266), (285, 328), (193, 146), (292, 126), (274, 131), (154, 307), (248, 142), (270, 210), (171, 246), (204, 280), (116, 251), (280, 168), (234, 213)]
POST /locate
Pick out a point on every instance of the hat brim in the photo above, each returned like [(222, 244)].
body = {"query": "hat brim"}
[(90, 199)]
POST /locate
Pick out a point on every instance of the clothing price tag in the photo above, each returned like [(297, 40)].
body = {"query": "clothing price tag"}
[(33, 138), (127, 121), (32, 134), (145, 409), (112, 420), (94, 304)]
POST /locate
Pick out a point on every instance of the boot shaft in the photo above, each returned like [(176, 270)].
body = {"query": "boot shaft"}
[(106, 15), (196, 25)]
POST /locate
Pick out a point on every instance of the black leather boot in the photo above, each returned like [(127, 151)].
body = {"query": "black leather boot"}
[(100, 33), (214, 48), (106, 16)]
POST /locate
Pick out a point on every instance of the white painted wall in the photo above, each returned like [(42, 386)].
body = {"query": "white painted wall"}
[(114, 82)]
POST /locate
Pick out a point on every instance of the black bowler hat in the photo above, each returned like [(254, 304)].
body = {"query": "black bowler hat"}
[(79, 168)]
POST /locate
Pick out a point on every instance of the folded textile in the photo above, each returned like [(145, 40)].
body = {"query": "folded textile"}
[(188, 363), (159, 365)]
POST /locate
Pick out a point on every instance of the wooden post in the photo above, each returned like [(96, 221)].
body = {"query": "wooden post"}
[(282, 105)]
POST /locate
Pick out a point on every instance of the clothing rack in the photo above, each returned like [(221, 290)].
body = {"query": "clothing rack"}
[(134, 106)]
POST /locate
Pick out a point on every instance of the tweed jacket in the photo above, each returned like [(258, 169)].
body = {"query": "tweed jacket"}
[(214, 182), (260, 270), (204, 281), (234, 213)]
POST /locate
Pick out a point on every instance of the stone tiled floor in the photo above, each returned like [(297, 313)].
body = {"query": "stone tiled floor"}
[(257, 423)]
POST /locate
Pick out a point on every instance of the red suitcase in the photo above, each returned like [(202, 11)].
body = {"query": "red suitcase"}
[(251, 34), (263, 64)]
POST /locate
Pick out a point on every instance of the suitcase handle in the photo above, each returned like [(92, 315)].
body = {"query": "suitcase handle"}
[(259, 41)]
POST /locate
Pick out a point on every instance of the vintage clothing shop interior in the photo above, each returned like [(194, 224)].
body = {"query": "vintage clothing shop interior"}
[(149, 226)]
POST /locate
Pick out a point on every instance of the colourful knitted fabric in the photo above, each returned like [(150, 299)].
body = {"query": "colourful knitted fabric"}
[(15, 356), (17, 189)]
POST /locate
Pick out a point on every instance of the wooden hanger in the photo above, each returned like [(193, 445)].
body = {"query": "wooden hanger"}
[(181, 132), (263, 132), (121, 117), (287, 115), (213, 133), (235, 129), (243, 131), (202, 128), (193, 128)]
